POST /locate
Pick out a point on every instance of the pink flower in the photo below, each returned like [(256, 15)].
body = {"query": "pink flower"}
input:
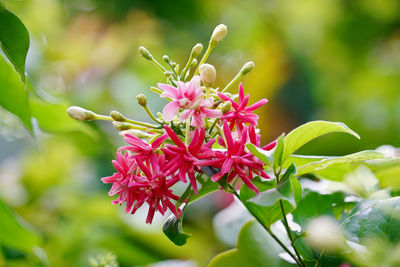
[(140, 149), (241, 114), (235, 161), (183, 158), (137, 184), (189, 97)]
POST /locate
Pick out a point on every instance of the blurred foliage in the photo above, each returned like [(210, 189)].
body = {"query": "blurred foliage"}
[(330, 60)]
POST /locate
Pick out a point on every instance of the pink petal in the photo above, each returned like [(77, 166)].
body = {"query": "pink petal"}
[(170, 110)]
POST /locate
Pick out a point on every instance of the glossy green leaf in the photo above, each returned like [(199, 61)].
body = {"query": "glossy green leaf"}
[(278, 152), (254, 248), (309, 131), (14, 232), (387, 171), (300, 160), (53, 118), (261, 154), (383, 221), (13, 96), (207, 187), (172, 228), (335, 168), (284, 191), (14, 40)]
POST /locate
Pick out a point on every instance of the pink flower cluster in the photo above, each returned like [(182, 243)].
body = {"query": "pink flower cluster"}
[(146, 171)]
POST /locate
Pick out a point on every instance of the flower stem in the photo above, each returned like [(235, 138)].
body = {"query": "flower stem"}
[(204, 58), (269, 231)]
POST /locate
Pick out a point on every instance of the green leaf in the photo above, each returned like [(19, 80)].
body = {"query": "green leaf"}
[(383, 221), (172, 228), (13, 96), (53, 118), (207, 187), (14, 40), (261, 154), (314, 204), (284, 191), (14, 232), (387, 171), (278, 152), (267, 215), (254, 248), (309, 131), (335, 168), (300, 160)]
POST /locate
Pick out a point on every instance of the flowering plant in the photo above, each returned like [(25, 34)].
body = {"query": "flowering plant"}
[(208, 139)]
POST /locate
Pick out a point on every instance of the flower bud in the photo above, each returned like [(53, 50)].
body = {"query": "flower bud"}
[(168, 73), (324, 233), (193, 64), (166, 59), (145, 53), (141, 99), (80, 114), (117, 116), (137, 133), (247, 68), (219, 34), (226, 107), (121, 126), (196, 50), (207, 74)]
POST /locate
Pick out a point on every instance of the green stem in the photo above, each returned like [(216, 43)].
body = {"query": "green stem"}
[(151, 115), (289, 232), (142, 123), (103, 117), (157, 64), (269, 231)]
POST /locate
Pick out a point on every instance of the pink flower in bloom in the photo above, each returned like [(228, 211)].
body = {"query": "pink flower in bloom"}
[(134, 189), (188, 96), (140, 149), (183, 158), (235, 161), (241, 114)]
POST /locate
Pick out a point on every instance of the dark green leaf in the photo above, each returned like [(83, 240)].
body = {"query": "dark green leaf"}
[(13, 96), (284, 191), (172, 228), (14, 40), (207, 187), (383, 221), (309, 131), (255, 248), (14, 232), (278, 152)]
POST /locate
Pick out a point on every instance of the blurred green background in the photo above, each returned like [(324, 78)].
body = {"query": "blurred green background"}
[(328, 60)]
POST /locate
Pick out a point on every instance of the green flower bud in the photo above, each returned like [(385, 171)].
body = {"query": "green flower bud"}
[(141, 99), (193, 64), (168, 73), (117, 116), (196, 50), (207, 74), (166, 59), (145, 53), (226, 107), (247, 68), (137, 133), (80, 114), (121, 126)]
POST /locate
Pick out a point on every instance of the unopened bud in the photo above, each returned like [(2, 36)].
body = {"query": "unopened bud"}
[(137, 133), (145, 53), (168, 73), (117, 116), (207, 74), (121, 126), (141, 99), (226, 107), (324, 233), (247, 68), (219, 33), (196, 50), (193, 64), (80, 114), (166, 59)]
